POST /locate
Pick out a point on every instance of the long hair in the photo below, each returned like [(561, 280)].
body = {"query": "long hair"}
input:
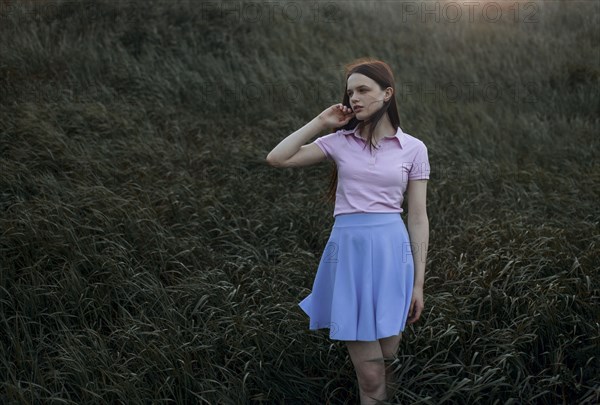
[(381, 73)]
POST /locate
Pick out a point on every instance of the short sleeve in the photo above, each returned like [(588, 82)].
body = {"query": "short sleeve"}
[(420, 169), (328, 144)]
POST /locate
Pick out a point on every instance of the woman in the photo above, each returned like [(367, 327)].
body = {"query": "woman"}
[(369, 282)]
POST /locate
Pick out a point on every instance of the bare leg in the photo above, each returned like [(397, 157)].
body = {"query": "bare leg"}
[(389, 350), (370, 370)]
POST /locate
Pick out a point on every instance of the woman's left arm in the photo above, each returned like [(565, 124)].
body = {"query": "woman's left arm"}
[(418, 230)]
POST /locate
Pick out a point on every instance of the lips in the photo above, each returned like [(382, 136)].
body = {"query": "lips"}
[(357, 108)]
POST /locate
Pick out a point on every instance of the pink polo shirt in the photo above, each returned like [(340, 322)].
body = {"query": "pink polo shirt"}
[(374, 182)]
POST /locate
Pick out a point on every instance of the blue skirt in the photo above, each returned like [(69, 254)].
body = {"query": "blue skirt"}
[(363, 285)]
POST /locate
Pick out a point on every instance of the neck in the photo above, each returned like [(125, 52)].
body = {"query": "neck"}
[(383, 129)]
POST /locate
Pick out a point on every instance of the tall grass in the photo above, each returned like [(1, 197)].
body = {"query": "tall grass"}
[(148, 253)]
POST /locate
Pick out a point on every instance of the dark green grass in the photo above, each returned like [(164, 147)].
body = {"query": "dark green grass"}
[(149, 255)]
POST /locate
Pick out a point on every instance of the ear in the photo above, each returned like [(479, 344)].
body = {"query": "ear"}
[(388, 94)]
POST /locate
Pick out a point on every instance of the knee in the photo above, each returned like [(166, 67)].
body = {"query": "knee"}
[(373, 379)]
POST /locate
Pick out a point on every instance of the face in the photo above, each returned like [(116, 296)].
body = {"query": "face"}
[(364, 91)]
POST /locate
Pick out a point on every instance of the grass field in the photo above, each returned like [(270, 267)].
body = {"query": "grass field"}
[(150, 255)]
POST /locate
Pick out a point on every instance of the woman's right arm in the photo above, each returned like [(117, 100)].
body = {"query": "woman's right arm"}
[(292, 151)]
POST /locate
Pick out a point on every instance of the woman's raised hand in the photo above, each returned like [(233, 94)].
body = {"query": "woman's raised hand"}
[(336, 116)]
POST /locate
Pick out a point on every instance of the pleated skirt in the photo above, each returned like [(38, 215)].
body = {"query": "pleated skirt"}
[(363, 285)]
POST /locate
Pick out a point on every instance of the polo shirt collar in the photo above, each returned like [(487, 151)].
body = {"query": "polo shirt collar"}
[(400, 135)]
